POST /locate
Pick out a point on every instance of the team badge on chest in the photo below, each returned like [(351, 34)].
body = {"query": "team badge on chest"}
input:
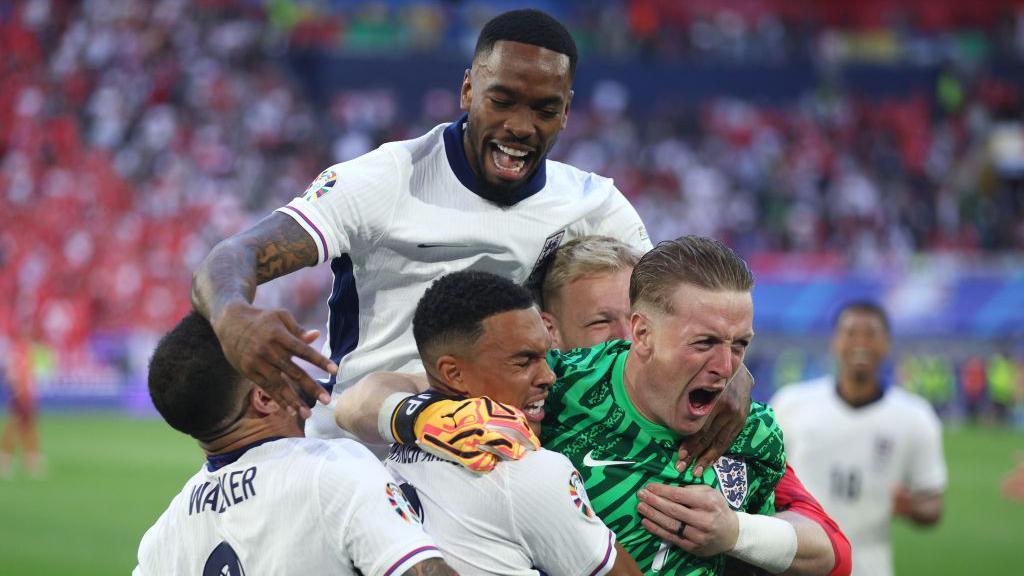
[(732, 480)]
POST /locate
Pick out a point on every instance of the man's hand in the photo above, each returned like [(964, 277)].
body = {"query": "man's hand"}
[(261, 344), (695, 518), (473, 432), (923, 509), (724, 424)]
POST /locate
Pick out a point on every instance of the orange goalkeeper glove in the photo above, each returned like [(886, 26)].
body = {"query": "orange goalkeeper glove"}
[(473, 432)]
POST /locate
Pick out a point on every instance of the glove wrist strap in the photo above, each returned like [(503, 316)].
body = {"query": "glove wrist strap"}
[(403, 417)]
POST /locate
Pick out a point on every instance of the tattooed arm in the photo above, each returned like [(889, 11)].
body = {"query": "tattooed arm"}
[(430, 567), (259, 343)]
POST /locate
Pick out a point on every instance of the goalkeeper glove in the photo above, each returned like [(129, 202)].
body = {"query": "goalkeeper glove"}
[(473, 432)]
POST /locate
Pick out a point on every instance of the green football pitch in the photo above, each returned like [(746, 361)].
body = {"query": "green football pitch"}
[(109, 477)]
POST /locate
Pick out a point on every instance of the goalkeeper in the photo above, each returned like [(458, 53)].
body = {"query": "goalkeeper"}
[(480, 335), (618, 411)]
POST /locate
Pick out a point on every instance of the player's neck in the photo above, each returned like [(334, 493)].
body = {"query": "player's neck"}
[(858, 392), (245, 436), (632, 375)]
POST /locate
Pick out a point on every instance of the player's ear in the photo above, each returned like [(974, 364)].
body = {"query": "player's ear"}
[(568, 105), (552, 328), (262, 402), (643, 334), (466, 94), (451, 375)]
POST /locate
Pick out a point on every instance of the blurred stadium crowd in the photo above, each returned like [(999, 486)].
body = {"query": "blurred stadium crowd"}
[(136, 134)]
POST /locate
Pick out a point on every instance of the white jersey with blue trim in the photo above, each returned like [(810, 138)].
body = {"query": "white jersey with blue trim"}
[(394, 220), (853, 459), (288, 506), (527, 517)]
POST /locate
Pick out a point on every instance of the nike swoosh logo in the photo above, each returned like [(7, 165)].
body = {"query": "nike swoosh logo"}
[(589, 461), (442, 245)]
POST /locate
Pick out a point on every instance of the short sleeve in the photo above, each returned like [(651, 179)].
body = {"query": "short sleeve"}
[(367, 516), (347, 208), (619, 219), (554, 517), (927, 469)]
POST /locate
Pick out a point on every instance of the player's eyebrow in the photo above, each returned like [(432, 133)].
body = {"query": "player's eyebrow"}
[(540, 102), (528, 353)]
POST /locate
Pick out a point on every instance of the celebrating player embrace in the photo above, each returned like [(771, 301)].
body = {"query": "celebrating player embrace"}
[(619, 411)]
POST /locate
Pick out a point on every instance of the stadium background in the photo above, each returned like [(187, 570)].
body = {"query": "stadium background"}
[(847, 149)]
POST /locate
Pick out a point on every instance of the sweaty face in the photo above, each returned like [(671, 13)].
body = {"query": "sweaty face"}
[(691, 355), (518, 99), (860, 344), (508, 363), (591, 310)]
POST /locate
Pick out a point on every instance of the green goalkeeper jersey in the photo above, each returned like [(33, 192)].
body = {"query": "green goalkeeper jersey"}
[(590, 419)]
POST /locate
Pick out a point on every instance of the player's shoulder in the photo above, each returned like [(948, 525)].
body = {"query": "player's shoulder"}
[(566, 177), (388, 161), (906, 402), (338, 450), (761, 415), (587, 358), (761, 436), (415, 150), (585, 364), (537, 471), (807, 392), (342, 456)]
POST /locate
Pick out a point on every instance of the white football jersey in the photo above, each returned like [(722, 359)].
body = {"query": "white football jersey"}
[(288, 506), (853, 459), (394, 220), (527, 517)]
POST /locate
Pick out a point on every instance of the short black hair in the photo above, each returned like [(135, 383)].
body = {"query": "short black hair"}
[(452, 310), (866, 307), (191, 383), (528, 26)]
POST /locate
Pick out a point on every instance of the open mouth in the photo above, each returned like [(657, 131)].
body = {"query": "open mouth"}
[(534, 410), (702, 400), (510, 162)]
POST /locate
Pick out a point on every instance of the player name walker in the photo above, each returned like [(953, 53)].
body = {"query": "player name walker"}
[(229, 489)]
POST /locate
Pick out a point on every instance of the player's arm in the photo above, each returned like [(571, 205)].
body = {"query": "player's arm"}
[(822, 548), (921, 508), (473, 432), (259, 343), (553, 516), (725, 423), (697, 518), (624, 563), (364, 515), (431, 567), (361, 408), (920, 500)]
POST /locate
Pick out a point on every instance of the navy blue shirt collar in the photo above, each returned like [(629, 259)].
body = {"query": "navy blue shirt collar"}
[(215, 462), (456, 152)]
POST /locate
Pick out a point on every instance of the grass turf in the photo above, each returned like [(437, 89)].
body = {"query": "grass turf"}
[(109, 477)]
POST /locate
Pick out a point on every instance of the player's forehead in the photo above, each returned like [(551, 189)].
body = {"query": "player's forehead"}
[(724, 314), (606, 289), (856, 319), (512, 332), (523, 67)]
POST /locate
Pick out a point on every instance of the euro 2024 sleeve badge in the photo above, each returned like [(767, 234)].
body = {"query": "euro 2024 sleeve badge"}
[(578, 495)]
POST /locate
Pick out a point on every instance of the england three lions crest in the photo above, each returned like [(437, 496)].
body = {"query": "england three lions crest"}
[(732, 480)]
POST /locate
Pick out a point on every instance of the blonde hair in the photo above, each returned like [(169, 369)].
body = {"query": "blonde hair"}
[(585, 256), (694, 260)]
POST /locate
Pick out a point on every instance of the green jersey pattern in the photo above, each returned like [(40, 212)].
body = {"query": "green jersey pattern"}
[(591, 420)]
